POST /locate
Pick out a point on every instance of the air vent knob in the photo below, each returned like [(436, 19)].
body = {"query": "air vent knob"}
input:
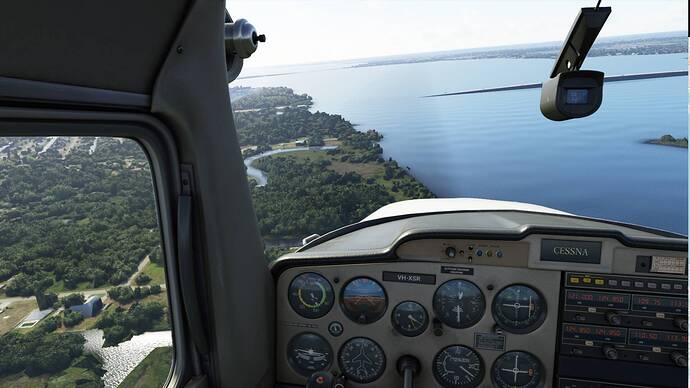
[(614, 318), (679, 359), (610, 352)]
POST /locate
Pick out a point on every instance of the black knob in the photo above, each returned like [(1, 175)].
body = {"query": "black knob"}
[(610, 352), (408, 362), (408, 367), (320, 380), (450, 252), (681, 323), (437, 327), (679, 359), (614, 318), (339, 382)]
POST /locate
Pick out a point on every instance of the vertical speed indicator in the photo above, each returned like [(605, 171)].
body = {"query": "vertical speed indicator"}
[(311, 295), (410, 318), (458, 366)]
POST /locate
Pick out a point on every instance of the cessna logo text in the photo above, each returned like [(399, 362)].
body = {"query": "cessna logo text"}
[(572, 251)]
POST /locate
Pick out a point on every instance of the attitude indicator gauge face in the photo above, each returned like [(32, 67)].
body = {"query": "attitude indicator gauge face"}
[(308, 353), (311, 295), (363, 300), (458, 366), (517, 370), (459, 303), (519, 309), (410, 318), (362, 360)]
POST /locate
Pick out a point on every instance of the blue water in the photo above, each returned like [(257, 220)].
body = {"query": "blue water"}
[(499, 146)]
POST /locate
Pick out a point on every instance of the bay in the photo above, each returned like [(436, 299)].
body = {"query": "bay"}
[(498, 146)]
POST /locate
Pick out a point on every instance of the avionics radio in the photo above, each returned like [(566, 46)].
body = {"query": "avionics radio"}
[(628, 318)]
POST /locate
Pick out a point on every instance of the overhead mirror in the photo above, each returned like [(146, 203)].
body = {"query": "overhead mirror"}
[(572, 93)]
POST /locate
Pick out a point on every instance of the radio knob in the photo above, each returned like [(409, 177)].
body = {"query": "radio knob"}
[(679, 359), (614, 318), (610, 352), (681, 323)]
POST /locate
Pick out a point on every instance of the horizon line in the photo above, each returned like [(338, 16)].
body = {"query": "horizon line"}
[(685, 32)]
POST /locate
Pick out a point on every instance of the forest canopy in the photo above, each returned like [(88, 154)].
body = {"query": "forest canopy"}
[(85, 217)]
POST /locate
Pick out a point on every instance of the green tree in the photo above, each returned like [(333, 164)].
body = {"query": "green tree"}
[(73, 300), (142, 279), (72, 318)]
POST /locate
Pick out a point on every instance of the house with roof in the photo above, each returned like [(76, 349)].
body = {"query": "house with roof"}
[(90, 308)]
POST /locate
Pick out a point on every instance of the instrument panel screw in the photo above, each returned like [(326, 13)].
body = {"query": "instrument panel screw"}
[(180, 49)]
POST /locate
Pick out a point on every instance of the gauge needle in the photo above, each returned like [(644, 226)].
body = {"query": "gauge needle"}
[(457, 309), (466, 371), (515, 371), (411, 318)]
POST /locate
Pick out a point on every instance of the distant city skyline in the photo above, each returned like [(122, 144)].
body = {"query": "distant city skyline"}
[(311, 31)]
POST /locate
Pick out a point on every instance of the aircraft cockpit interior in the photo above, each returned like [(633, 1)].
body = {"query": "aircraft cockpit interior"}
[(432, 209)]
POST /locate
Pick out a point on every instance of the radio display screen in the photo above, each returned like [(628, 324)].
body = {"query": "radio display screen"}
[(594, 333), (660, 304), (658, 338), (597, 299)]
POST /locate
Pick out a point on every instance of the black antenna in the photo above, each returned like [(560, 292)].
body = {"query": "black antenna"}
[(598, 4)]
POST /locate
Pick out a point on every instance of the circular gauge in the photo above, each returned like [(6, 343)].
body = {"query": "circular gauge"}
[(363, 300), (410, 318), (311, 295), (308, 353), (458, 366), (519, 309), (459, 303), (517, 370), (362, 360)]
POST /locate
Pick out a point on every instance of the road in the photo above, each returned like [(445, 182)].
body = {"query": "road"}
[(140, 268)]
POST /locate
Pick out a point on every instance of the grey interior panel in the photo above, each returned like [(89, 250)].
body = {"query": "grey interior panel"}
[(127, 41)]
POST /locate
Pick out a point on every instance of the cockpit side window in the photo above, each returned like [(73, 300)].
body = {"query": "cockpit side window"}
[(83, 290)]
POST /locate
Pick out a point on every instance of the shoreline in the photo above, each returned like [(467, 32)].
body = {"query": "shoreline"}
[(659, 143), (259, 175)]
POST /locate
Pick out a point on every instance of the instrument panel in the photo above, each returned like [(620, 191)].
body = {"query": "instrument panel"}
[(467, 325), (487, 314)]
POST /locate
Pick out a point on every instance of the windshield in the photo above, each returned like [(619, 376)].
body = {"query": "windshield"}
[(335, 120)]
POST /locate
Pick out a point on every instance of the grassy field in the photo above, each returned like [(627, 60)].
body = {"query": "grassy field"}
[(15, 313), (156, 272), (86, 324), (366, 170), (152, 372), (20, 380), (82, 373)]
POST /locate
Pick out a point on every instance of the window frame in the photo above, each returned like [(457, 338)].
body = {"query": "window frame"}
[(158, 145)]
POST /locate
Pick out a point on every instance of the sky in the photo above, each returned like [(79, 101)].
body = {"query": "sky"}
[(309, 31)]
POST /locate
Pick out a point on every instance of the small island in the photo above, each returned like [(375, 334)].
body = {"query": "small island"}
[(668, 140)]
